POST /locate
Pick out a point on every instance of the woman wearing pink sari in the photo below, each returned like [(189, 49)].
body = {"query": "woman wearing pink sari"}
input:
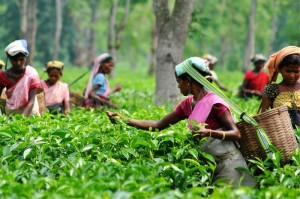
[(21, 81), (97, 91), (56, 92), (203, 107)]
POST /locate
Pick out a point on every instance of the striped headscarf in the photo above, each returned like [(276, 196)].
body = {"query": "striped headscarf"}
[(276, 58), (197, 62)]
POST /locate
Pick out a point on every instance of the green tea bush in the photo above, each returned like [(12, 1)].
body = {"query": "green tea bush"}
[(83, 155)]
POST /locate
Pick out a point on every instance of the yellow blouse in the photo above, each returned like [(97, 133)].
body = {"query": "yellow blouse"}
[(287, 98)]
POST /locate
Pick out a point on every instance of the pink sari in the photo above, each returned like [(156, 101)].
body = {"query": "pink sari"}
[(18, 95), (203, 108), (56, 94)]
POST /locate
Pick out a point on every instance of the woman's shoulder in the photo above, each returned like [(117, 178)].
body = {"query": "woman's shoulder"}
[(64, 84), (100, 75), (271, 90)]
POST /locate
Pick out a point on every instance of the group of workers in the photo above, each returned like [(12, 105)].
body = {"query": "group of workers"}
[(21, 82)]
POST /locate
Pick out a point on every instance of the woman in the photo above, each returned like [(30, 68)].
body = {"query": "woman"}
[(287, 92), (256, 79), (212, 62), (98, 91), (204, 107), (21, 81), (56, 92)]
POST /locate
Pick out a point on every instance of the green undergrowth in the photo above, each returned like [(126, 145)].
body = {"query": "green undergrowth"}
[(83, 155)]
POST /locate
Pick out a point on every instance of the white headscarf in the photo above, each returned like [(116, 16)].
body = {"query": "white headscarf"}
[(18, 46)]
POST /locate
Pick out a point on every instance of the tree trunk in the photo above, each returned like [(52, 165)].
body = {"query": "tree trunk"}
[(114, 34), (58, 29), (250, 44), (152, 61), (91, 32), (28, 11), (172, 33), (22, 4), (274, 26), (223, 38), (32, 11)]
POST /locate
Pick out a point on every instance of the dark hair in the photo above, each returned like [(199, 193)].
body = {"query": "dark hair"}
[(48, 70), (293, 59), (106, 60), (259, 61), (15, 56)]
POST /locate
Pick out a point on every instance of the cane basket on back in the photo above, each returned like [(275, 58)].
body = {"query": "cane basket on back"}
[(277, 125), (2, 105), (76, 99), (40, 94)]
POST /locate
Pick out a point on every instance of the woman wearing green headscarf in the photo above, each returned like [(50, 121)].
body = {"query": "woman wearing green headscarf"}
[(203, 107)]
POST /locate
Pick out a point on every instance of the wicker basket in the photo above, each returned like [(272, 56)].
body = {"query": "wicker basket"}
[(40, 94), (40, 98), (76, 99), (277, 125), (2, 105)]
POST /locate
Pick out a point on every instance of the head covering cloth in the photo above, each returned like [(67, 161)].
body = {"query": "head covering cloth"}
[(55, 64), (258, 57), (187, 66), (276, 58), (212, 59), (18, 46), (96, 66)]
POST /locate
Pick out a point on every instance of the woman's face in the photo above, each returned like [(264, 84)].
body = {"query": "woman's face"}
[(183, 86), (18, 64), (290, 73), (259, 65), (54, 75), (107, 67)]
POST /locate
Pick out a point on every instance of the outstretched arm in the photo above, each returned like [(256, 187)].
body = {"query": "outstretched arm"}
[(165, 122)]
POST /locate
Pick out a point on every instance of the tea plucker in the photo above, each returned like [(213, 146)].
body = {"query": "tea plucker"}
[(203, 107), (20, 80)]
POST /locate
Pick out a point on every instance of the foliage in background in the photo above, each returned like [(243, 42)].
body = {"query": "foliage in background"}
[(218, 30)]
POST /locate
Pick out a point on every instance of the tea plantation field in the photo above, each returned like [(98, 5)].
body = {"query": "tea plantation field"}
[(83, 155)]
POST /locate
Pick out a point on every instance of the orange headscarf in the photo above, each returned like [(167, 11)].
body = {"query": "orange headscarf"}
[(276, 58)]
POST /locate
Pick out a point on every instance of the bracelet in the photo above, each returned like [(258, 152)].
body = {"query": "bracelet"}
[(210, 133), (223, 135)]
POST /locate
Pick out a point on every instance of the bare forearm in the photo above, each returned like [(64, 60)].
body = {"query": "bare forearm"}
[(143, 124), (66, 107), (28, 109)]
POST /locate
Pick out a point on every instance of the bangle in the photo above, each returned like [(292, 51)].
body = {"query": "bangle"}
[(223, 135), (210, 133)]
